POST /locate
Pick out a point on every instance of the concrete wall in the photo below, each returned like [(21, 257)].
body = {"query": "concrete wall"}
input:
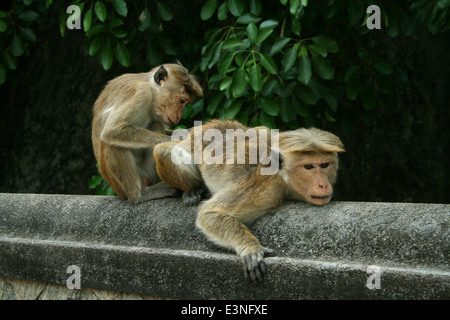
[(154, 250)]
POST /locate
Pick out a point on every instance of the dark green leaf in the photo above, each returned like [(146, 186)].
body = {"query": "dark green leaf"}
[(304, 71), (9, 60), (121, 7), (349, 74), (289, 58), (225, 63), (268, 24), (270, 106), (231, 43), (326, 43), (318, 50), (222, 11), (95, 45), (96, 29), (16, 45), (87, 20), (287, 111), (329, 117), (383, 67), (197, 107), (233, 109), (100, 11), (331, 101), (239, 83), (215, 56), (306, 95), (28, 15), (252, 32), (248, 18), (164, 11), (268, 64), (443, 3), (263, 35), (352, 88), (119, 33), (122, 54), (27, 2), (214, 101), (28, 34), (323, 68), (95, 181), (255, 7), (208, 9), (295, 5), (236, 7), (2, 25), (144, 20), (271, 87), (187, 111), (300, 107), (267, 120), (106, 57), (255, 78), (226, 82), (116, 22), (279, 45)]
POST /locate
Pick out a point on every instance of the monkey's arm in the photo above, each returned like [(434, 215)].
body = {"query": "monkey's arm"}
[(222, 220), (129, 136)]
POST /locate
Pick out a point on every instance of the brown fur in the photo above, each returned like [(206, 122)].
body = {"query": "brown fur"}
[(130, 117), (241, 193)]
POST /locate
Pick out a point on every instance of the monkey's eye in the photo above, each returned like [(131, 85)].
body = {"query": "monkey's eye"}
[(308, 166), (182, 100), (324, 165)]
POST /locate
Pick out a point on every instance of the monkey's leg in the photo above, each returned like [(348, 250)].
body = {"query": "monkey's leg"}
[(118, 168), (183, 174), (220, 225)]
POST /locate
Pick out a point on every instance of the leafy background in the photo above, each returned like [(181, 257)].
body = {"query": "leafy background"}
[(283, 64)]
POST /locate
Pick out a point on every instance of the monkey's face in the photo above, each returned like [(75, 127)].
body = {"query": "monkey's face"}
[(312, 177), (170, 109), (171, 94)]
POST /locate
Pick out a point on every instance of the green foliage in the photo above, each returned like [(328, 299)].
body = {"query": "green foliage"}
[(305, 62), (285, 64), (100, 186)]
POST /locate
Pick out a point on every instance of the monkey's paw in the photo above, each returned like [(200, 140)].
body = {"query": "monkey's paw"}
[(254, 265), (193, 197)]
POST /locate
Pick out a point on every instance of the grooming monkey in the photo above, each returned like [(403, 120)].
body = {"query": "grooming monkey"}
[(241, 193), (130, 117)]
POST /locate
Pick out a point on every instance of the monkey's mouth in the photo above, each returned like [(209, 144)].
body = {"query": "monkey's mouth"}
[(321, 197), (320, 200)]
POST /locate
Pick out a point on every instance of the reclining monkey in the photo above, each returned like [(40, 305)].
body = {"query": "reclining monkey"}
[(241, 193)]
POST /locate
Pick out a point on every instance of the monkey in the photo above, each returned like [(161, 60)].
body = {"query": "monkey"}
[(130, 117), (307, 164)]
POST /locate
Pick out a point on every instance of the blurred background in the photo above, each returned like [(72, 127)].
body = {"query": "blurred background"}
[(283, 64)]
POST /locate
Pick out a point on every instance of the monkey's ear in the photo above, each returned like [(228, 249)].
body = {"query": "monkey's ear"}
[(160, 75)]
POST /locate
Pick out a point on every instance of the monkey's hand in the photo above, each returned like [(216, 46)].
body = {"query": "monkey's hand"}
[(254, 266), (193, 197)]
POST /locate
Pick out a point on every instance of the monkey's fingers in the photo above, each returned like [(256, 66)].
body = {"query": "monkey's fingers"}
[(191, 198), (254, 265), (269, 252)]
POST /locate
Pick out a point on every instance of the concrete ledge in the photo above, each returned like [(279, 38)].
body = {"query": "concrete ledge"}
[(154, 249)]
